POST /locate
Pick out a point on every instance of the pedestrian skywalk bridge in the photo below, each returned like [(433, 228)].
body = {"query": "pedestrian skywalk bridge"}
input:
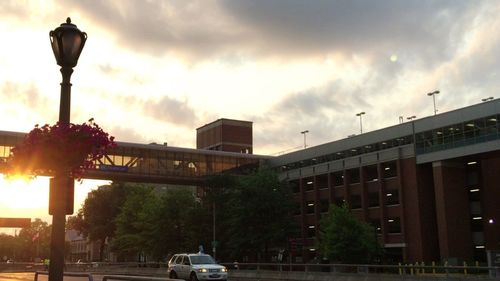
[(153, 163)]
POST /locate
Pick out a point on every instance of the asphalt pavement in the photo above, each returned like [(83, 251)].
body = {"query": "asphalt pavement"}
[(29, 276)]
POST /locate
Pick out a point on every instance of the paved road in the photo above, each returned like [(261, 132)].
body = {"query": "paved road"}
[(29, 276)]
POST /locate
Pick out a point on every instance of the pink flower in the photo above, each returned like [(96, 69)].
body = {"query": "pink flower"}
[(61, 148)]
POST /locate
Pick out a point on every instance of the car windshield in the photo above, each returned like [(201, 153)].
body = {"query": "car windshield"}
[(202, 260)]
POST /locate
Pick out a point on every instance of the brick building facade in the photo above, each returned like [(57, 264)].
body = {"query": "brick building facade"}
[(429, 186)]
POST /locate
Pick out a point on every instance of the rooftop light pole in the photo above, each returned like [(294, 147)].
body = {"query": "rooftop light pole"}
[(304, 133), (433, 94), (360, 121), (67, 42), (411, 117)]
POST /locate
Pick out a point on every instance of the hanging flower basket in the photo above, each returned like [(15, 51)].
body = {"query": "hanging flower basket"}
[(61, 148)]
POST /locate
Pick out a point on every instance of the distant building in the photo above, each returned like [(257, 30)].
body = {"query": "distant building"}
[(78, 246), (226, 135)]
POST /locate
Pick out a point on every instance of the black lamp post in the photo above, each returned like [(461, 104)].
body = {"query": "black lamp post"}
[(67, 43)]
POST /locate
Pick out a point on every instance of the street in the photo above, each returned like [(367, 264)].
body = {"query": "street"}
[(29, 276)]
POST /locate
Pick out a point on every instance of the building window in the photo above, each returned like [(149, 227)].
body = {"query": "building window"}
[(373, 200), (322, 181), (375, 223), (296, 208), (394, 225), (389, 169), (370, 173), (477, 223), (338, 178), (339, 201), (311, 231), (353, 175), (324, 205), (472, 178), (474, 194), (392, 197), (294, 186), (479, 253), (356, 201), (310, 207), (457, 135), (308, 184)]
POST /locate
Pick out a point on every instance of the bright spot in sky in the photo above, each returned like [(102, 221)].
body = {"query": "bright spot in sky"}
[(393, 58), (23, 194), (29, 198)]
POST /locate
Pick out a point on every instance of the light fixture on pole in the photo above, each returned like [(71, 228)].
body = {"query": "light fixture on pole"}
[(360, 121), (433, 94), (304, 133), (487, 99), (67, 43), (411, 117)]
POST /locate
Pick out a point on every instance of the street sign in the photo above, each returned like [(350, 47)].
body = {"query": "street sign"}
[(15, 222)]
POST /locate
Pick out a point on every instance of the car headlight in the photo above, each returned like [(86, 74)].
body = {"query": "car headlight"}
[(202, 270), (223, 269)]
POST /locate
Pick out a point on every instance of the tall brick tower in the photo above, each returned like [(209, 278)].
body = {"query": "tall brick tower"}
[(226, 135)]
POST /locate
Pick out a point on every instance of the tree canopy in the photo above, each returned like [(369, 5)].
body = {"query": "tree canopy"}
[(31, 242), (96, 218), (251, 215), (258, 210), (344, 238)]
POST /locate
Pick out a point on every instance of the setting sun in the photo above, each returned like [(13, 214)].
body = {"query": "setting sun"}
[(23, 194), (28, 198)]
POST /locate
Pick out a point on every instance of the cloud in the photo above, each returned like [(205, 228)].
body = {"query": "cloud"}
[(188, 28), (171, 110), (324, 25), (125, 134), (13, 8), (26, 94), (235, 28), (108, 69)]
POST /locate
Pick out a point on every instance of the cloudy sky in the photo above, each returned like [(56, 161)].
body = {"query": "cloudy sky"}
[(154, 71)]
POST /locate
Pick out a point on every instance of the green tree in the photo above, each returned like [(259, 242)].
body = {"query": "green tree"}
[(259, 215), (33, 241), (8, 246), (158, 224), (182, 222), (216, 203), (344, 238), (135, 224), (96, 218)]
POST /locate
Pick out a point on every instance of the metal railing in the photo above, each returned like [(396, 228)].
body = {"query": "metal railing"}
[(134, 278), (400, 269), (71, 274), (160, 269)]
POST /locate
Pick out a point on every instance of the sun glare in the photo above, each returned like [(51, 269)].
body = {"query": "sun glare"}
[(23, 194)]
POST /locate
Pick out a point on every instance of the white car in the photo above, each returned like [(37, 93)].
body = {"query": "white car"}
[(195, 267)]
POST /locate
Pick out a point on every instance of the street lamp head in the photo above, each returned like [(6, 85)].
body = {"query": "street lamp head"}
[(305, 132), (361, 113), (67, 43), (433, 93)]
